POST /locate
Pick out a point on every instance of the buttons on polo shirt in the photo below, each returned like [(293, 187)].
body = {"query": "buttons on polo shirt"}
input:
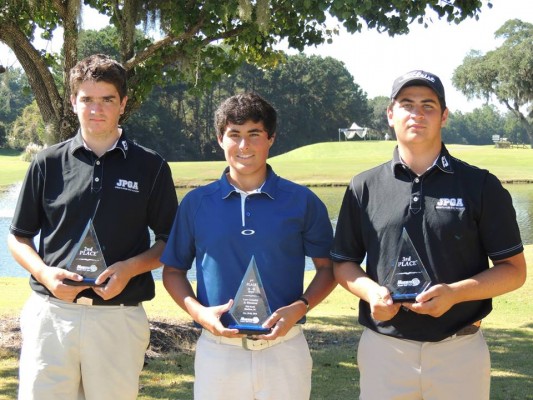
[(416, 194), (98, 172)]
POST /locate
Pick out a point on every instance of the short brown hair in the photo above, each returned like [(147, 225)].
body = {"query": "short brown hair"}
[(245, 107), (99, 68)]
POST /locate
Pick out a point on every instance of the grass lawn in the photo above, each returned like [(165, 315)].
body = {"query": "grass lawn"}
[(335, 163), (332, 163)]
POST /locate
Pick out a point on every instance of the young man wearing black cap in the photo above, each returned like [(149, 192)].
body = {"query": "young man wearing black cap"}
[(456, 217)]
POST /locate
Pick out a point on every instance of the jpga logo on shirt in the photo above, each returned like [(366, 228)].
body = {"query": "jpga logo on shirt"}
[(124, 184), (452, 203)]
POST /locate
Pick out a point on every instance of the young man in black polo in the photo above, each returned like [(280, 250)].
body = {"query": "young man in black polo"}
[(457, 217), (79, 341)]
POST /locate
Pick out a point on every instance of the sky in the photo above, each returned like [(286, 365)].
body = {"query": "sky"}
[(375, 59)]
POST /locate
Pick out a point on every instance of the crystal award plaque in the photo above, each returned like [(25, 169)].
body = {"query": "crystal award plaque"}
[(408, 277), (87, 259), (250, 308)]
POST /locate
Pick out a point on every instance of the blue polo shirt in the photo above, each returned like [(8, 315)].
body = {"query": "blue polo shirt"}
[(278, 226)]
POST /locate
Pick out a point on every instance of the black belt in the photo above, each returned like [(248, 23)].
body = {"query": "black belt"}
[(88, 301)]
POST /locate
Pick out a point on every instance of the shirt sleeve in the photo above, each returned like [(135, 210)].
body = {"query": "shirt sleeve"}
[(318, 235), (498, 226), (28, 214), (180, 249), (348, 243), (163, 203)]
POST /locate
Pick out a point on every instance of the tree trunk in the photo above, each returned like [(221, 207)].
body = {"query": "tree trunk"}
[(70, 11), (39, 77)]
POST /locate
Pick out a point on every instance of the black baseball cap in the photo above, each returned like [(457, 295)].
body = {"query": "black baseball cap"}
[(419, 78)]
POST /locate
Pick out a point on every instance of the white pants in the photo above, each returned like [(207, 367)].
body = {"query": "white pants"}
[(229, 371), (72, 351), (454, 368)]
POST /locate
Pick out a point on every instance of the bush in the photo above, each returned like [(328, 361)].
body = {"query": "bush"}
[(31, 150)]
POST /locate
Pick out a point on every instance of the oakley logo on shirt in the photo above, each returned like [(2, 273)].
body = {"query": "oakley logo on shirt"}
[(450, 204), (124, 184)]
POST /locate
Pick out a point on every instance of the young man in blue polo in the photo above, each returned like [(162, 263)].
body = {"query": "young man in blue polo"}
[(249, 212), (457, 218)]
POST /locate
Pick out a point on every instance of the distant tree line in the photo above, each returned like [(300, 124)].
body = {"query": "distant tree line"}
[(196, 42), (314, 97)]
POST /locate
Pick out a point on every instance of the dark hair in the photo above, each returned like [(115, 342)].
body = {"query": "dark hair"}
[(245, 107), (99, 68)]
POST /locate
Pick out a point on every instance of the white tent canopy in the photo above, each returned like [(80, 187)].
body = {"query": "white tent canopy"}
[(353, 130)]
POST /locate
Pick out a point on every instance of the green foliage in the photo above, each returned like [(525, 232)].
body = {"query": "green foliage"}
[(27, 128), (188, 40), (476, 127), (378, 119), (14, 96), (314, 96), (505, 74)]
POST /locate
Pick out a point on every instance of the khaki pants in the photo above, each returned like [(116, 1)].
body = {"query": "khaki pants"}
[(72, 351), (454, 368), (225, 370)]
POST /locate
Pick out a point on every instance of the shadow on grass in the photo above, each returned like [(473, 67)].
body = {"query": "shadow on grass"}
[(8, 373), (333, 343), (511, 353), (168, 377), (169, 374), (10, 152)]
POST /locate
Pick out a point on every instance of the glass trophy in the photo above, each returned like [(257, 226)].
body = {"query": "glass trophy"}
[(408, 277), (87, 259), (250, 308)]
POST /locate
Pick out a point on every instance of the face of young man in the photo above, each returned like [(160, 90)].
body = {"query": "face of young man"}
[(246, 150), (416, 117), (99, 108)]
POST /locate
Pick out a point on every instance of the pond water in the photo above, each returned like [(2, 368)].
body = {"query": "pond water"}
[(522, 195)]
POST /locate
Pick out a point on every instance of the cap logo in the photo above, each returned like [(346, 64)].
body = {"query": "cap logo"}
[(419, 77), (418, 74)]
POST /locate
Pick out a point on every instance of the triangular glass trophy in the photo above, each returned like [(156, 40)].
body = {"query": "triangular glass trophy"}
[(408, 277), (250, 308), (87, 259)]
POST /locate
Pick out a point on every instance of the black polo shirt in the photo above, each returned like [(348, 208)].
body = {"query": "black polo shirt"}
[(457, 216), (126, 191)]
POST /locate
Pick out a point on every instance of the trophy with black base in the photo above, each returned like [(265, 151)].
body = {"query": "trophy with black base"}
[(250, 308), (408, 277), (87, 259)]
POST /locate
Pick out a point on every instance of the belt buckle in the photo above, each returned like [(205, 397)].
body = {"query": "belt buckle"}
[(254, 344), (86, 301)]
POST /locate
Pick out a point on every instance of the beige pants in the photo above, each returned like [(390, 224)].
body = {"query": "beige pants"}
[(73, 351), (228, 371), (454, 368)]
